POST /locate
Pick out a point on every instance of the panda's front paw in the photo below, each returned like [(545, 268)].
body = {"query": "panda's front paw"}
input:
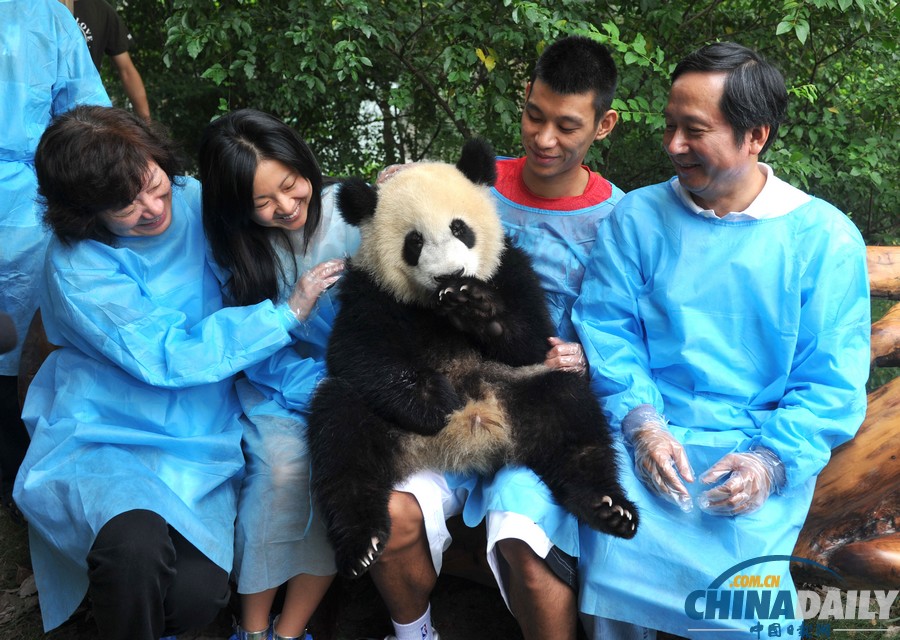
[(470, 305), (615, 515)]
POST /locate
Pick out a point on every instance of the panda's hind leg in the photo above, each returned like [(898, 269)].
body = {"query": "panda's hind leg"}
[(352, 474), (562, 435)]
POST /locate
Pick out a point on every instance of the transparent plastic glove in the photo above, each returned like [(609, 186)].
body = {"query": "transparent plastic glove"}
[(311, 285), (750, 478), (565, 356), (660, 462)]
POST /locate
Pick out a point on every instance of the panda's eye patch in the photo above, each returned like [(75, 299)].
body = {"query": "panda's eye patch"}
[(412, 248), (463, 232)]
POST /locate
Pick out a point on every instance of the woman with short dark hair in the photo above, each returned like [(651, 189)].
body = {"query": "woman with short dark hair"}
[(130, 484)]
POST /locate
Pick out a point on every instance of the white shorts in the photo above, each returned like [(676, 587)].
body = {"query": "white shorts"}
[(505, 525), (438, 503)]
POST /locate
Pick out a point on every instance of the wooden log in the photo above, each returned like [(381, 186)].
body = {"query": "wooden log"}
[(884, 271), (855, 514), (871, 562), (886, 339)]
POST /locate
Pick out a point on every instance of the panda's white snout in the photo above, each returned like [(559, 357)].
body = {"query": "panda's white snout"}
[(441, 261)]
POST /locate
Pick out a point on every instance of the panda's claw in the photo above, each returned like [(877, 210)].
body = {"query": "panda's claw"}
[(614, 515), (354, 565)]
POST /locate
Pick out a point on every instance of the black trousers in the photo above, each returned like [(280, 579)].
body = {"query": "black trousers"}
[(148, 581), (13, 436)]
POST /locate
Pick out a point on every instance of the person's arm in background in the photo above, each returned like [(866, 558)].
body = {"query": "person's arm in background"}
[(132, 83)]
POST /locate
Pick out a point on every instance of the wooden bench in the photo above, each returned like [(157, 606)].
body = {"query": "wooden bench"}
[(853, 526)]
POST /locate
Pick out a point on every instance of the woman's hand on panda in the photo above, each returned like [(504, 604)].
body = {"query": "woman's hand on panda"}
[(312, 284), (390, 171), (565, 356)]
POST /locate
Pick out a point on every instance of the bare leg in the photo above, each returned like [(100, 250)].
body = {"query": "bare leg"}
[(404, 574), (255, 609), (543, 605), (304, 592)]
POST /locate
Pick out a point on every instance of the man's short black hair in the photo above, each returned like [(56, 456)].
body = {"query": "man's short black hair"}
[(577, 64), (755, 93)]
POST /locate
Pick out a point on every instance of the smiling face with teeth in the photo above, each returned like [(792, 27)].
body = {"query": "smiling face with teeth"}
[(150, 214), (721, 173), (281, 196)]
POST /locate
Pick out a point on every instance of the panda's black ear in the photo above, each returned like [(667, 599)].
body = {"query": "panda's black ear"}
[(477, 161), (356, 200)]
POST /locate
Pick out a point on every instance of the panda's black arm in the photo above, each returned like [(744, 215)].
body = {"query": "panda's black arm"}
[(523, 313), (376, 346)]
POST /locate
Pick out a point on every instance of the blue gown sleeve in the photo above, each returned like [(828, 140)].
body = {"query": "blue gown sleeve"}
[(825, 398), (607, 320), (110, 314), (291, 377)]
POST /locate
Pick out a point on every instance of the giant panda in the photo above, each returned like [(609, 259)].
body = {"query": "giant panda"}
[(436, 360)]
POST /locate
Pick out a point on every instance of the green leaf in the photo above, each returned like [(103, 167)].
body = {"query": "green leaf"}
[(611, 29), (216, 73), (802, 30), (194, 47)]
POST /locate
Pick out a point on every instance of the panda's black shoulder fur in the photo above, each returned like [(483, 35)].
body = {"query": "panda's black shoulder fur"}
[(520, 288)]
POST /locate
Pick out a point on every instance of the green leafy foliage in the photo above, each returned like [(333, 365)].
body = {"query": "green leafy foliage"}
[(374, 83)]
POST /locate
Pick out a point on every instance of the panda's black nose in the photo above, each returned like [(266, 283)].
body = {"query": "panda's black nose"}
[(444, 279), (450, 276)]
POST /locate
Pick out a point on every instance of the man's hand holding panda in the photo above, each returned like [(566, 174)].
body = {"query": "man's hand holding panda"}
[(566, 356), (471, 306)]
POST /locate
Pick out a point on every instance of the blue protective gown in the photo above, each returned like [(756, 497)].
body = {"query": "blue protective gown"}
[(740, 332), (45, 70), (277, 534), (559, 241), (137, 409)]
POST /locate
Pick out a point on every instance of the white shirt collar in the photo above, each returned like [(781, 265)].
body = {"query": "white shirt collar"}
[(776, 199)]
